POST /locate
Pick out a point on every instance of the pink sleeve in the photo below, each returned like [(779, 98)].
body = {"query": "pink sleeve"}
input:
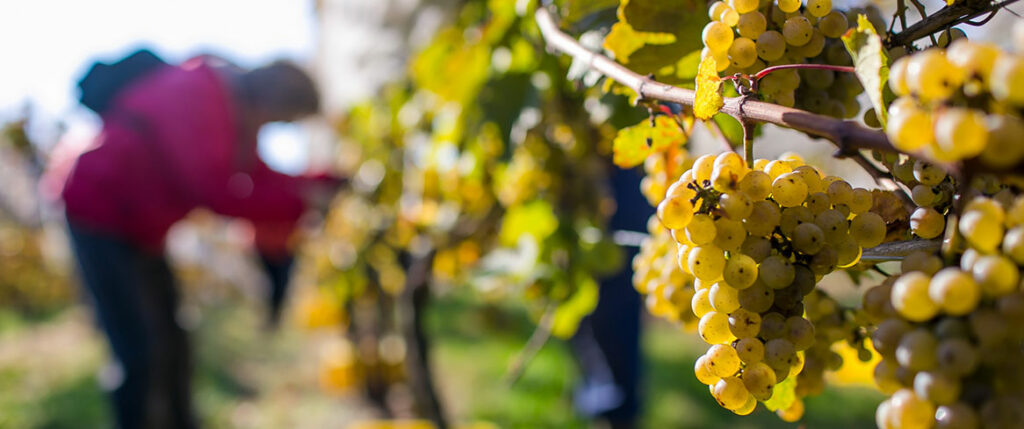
[(193, 126)]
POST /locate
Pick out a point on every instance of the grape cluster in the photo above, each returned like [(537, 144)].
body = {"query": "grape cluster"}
[(944, 95), (659, 171), (656, 274), (756, 241), (951, 337), (746, 36)]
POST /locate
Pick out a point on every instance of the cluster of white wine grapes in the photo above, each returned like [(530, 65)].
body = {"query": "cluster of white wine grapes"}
[(656, 274), (660, 170), (960, 102), (832, 324), (747, 36), (951, 337), (757, 240)]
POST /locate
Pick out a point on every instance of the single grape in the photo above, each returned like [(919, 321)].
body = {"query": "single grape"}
[(928, 174), (744, 323), (788, 6), (927, 223), (801, 332), (996, 275), (779, 353), (743, 52), (701, 229), (750, 350), (756, 185), (910, 128), (714, 328), (833, 24), (797, 30), (982, 230), (956, 416), (675, 213), (717, 36), (776, 272), (759, 379), (722, 360), (700, 304), (763, 219), (740, 271), (910, 297), (771, 45), (736, 205), (961, 132), (916, 350), (808, 238), (706, 262), (907, 410), (704, 375), (757, 298), (730, 234), (931, 76), (868, 229), (789, 190), (752, 24), (744, 6), (1007, 82), (724, 298), (730, 393)]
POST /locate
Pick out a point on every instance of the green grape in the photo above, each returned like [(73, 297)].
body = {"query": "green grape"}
[(700, 304), (996, 275), (750, 350), (908, 411), (743, 52), (811, 177), (724, 298), (973, 58), (759, 379), (928, 174), (722, 360), (788, 6), (875, 302), (931, 76), (924, 196), (887, 336), (807, 238), (819, 8), (771, 45), (704, 375), (793, 217), (789, 190), (1003, 149), (885, 376), (777, 168), (961, 132), (868, 229), (714, 328), (1007, 82), (922, 261), (833, 24), (730, 393), (757, 298), (956, 416), (721, 59), (736, 205), (797, 30), (717, 37), (675, 213), (848, 252), (706, 262), (773, 325), (740, 271), (916, 350), (779, 353), (956, 356), (744, 6), (701, 229), (871, 117), (752, 24), (910, 128), (910, 297), (840, 192), (936, 387), (763, 219), (824, 261), (883, 415), (927, 223), (730, 235), (1013, 244), (955, 291), (776, 272), (898, 77), (703, 166), (744, 323), (757, 248), (717, 9), (813, 47), (801, 332), (747, 408), (833, 224), (818, 202), (725, 178), (756, 185), (982, 230)]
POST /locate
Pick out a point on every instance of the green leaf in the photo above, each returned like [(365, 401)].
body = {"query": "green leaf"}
[(731, 128), (569, 313), (783, 395), (630, 147), (652, 35), (535, 218), (870, 62)]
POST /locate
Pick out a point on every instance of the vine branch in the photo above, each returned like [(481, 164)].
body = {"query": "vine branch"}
[(945, 18), (847, 135)]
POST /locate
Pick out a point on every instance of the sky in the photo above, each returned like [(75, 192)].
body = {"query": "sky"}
[(46, 45)]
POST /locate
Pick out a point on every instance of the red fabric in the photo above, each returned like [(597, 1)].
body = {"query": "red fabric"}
[(171, 144)]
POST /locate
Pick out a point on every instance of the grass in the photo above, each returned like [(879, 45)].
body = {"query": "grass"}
[(247, 379)]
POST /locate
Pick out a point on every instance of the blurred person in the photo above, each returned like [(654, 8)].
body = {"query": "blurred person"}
[(177, 138), (607, 342)]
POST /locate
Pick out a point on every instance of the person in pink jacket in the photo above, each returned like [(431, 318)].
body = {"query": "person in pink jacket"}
[(179, 138)]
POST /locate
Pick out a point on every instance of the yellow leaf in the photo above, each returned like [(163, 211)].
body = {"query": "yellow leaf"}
[(630, 147), (708, 100)]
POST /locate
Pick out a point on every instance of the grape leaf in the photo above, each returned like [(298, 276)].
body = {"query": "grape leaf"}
[(630, 147), (652, 35), (634, 143), (869, 62), (708, 100), (783, 395), (536, 218), (569, 313)]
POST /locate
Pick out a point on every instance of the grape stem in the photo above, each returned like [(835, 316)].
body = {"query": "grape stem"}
[(946, 17), (537, 340), (766, 71), (848, 136)]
